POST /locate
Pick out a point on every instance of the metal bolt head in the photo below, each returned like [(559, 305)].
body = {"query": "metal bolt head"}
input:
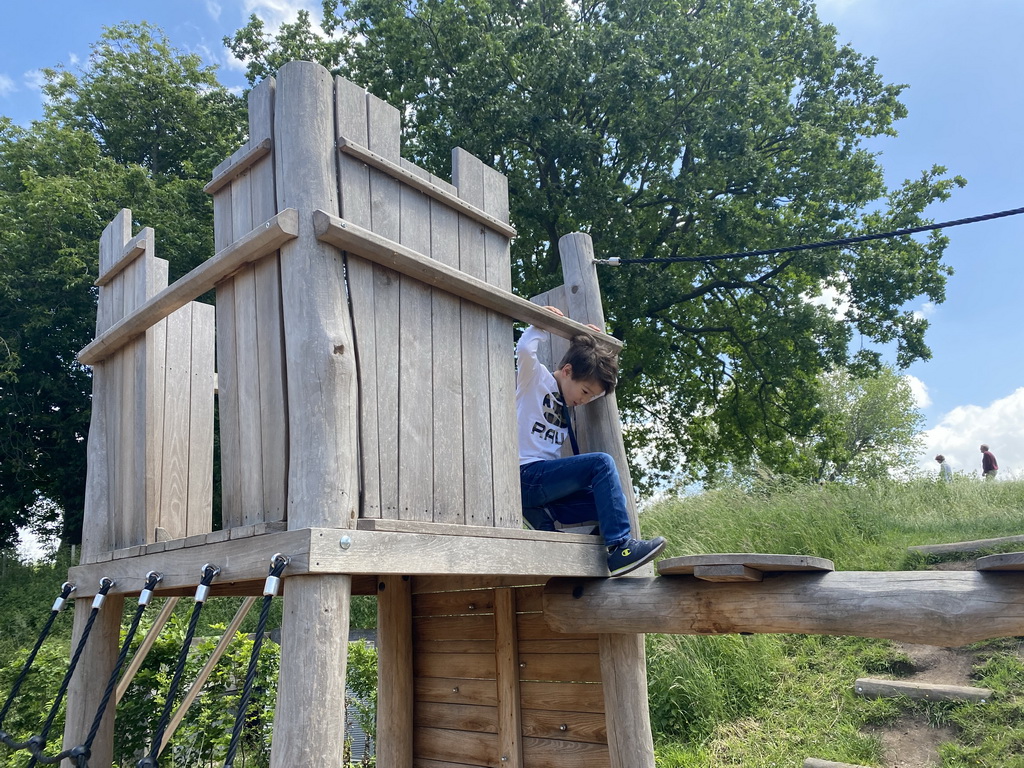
[(345, 542)]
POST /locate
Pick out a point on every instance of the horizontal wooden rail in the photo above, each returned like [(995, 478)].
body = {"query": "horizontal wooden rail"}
[(948, 608), (362, 242), (242, 160), (131, 251), (396, 171), (261, 241)]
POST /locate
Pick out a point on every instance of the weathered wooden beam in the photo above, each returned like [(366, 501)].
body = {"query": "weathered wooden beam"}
[(244, 561), (947, 608), (260, 242), (424, 185), (242, 160), (813, 762), (131, 251), (381, 250), (875, 688)]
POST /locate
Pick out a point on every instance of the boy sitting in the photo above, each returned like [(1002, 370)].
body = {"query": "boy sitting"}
[(575, 489)]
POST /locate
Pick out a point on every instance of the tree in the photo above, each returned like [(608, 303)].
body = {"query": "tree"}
[(867, 429), (97, 150), (671, 128)]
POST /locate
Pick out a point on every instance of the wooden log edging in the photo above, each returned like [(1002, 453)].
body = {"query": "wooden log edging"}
[(947, 608), (876, 688), (814, 762)]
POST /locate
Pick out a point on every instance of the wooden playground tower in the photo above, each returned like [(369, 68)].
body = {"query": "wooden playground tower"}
[(365, 390), (365, 382)]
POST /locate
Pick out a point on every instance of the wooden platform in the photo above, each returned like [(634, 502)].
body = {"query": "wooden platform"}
[(740, 566)]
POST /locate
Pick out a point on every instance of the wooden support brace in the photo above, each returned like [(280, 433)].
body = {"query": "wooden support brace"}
[(144, 647)]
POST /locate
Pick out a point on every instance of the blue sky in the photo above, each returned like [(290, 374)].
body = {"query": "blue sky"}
[(961, 63)]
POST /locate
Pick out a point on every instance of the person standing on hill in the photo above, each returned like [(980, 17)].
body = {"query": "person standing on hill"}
[(989, 467), (945, 473)]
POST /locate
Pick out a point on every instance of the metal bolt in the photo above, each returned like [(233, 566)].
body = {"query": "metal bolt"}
[(455, 689), (563, 727), (522, 665), (472, 606), (345, 542)]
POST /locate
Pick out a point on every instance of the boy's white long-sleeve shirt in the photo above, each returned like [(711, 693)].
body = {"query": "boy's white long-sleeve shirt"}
[(540, 412)]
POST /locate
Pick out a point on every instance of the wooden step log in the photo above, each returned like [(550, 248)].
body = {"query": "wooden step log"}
[(964, 546), (874, 688), (736, 566), (814, 762), (1008, 561)]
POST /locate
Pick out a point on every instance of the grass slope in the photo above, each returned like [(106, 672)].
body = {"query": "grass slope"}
[(772, 700)]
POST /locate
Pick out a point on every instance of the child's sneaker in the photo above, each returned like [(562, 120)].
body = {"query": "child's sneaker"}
[(632, 553)]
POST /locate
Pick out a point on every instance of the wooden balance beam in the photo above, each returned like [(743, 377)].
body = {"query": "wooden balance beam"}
[(945, 608)]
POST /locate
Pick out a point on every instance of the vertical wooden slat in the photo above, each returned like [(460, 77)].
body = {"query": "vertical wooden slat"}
[(269, 330), (227, 375), (467, 174), (155, 396), (501, 362), (383, 135), (506, 650), (175, 456), (415, 388), (321, 385), (199, 516), (354, 192), (395, 673), (446, 370)]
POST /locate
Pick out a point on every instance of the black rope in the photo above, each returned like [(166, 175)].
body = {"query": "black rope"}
[(37, 743), (82, 752), (65, 592), (277, 565), (209, 574), (812, 246)]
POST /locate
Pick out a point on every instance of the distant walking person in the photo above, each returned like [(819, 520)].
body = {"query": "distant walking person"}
[(945, 473), (988, 464)]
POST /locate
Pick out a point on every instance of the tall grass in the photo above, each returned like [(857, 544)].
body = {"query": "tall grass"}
[(769, 701)]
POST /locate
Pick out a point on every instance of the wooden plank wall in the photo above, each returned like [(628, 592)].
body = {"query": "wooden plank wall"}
[(437, 377), (250, 365), (150, 446), (494, 686)]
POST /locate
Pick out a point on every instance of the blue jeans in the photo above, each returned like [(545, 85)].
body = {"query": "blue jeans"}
[(576, 489)]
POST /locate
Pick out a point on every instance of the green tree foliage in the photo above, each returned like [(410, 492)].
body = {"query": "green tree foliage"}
[(867, 428), (669, 128), (141, 127)]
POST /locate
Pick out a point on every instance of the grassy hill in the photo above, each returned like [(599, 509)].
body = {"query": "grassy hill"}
[(760, 701), (769, 700)]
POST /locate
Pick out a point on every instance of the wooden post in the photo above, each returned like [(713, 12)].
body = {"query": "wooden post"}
[(321, 390), (623, 657), (394, 672), (506, 649)]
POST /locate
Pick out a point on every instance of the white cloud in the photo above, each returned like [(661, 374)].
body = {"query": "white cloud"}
[(927, 310), (920, 391), (213, 8), (35, 79), (274, 13), (7, 86), (958, 434)]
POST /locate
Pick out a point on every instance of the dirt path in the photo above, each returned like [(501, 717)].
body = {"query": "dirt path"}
[(912, 742)]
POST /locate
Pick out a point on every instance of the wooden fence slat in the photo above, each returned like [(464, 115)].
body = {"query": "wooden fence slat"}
[(415, 466), (442, 744), (467, 175), (565, 667), (446, 369), (458, 717), (562, 696), (566, 726), (383, 129), (454, 628), (199, 517), (479, 666), (473, 602), (456, 691), (227, 371), (269, 320), (355, 200), (174, 467), (501, 361), (552, 753)]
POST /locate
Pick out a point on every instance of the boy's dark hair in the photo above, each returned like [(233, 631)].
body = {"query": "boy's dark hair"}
[(592, 361)]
